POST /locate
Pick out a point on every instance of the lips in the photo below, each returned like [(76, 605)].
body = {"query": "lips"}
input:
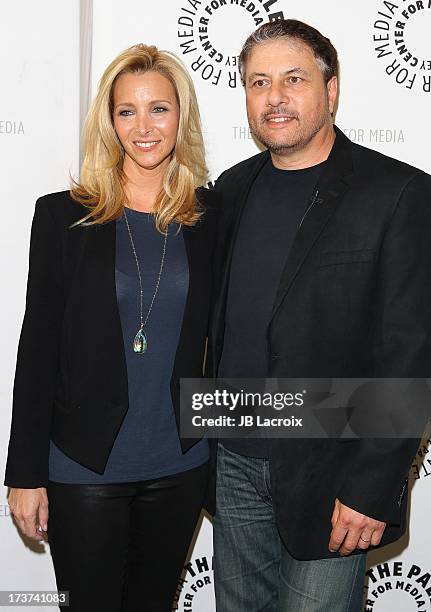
[(279, 119), (145, 144)]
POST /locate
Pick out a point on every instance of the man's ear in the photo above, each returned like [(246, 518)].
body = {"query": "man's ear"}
[(332, 89)]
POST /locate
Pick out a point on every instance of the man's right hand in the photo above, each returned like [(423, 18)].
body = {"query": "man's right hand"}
[(30, 510)]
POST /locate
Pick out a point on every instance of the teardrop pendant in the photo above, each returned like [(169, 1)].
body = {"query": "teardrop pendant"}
[(140, 342)]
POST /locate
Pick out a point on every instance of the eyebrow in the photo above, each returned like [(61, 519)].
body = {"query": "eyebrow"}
[(297, 70), (151, 102)]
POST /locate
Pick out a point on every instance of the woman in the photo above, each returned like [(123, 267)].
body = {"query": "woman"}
[(117, 312)]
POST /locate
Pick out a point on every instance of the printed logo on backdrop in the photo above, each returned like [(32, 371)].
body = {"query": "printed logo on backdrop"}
[(421, 467), (210, 33), (4, 510), (401, 42), (195, 591), (11, 128), (398, 585), (359, 135), (375, 135)]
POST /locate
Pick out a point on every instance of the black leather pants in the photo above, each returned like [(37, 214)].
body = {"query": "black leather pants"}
[(121, 547)]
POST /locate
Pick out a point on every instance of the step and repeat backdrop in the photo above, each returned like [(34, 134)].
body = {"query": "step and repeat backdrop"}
[(53, 54)]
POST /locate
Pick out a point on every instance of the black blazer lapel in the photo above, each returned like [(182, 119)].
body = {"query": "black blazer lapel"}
[(228, 230), (331, 187), (189, 236), (96, 299), (235, 220)]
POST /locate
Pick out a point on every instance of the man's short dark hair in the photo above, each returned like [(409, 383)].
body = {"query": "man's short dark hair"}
[(291, 29)]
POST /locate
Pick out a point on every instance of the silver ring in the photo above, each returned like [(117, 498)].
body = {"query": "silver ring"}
[(361, 538)]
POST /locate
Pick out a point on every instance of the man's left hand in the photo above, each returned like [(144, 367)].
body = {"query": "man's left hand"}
[(351, 529)]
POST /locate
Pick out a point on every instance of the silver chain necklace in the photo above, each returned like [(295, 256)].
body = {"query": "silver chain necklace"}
[(140, 343)]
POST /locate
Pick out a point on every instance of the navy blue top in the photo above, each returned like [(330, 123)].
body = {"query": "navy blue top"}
[(147, 445)]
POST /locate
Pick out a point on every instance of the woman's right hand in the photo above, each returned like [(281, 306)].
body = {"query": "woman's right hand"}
[(30, 510)]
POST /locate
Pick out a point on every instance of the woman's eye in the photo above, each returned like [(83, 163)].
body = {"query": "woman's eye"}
[(125, 113), (159, 109)]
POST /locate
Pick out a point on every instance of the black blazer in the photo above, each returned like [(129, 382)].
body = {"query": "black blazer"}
[(353, 301), (71, 378)]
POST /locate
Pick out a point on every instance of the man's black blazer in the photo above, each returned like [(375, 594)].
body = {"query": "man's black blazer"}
[(354, 301), (71, 378)]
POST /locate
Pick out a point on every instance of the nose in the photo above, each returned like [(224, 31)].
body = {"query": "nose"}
[(143, 123), (277, 95)]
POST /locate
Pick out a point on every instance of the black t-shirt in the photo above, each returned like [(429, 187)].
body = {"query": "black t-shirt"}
[(275, 206)]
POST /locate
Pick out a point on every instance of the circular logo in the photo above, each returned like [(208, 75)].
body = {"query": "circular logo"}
[(421, 467), (195, 591), (399, 584), (401, 42), (210, 35)]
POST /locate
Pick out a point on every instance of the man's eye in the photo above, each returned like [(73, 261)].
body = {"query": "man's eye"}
[(259, 83), (294, 80)]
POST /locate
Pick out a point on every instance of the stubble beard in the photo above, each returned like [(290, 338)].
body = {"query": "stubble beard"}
[(300, 140)]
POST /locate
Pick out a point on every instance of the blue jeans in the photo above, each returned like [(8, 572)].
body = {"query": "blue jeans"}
[(253, 570)]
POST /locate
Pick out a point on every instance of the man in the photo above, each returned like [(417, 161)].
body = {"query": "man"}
[(325, 258)]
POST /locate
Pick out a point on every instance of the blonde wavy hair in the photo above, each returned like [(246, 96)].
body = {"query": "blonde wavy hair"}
[(101, 186)]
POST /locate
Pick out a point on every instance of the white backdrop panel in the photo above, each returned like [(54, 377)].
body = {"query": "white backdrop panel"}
[(384, 104), (375, 110), (39, 143)]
